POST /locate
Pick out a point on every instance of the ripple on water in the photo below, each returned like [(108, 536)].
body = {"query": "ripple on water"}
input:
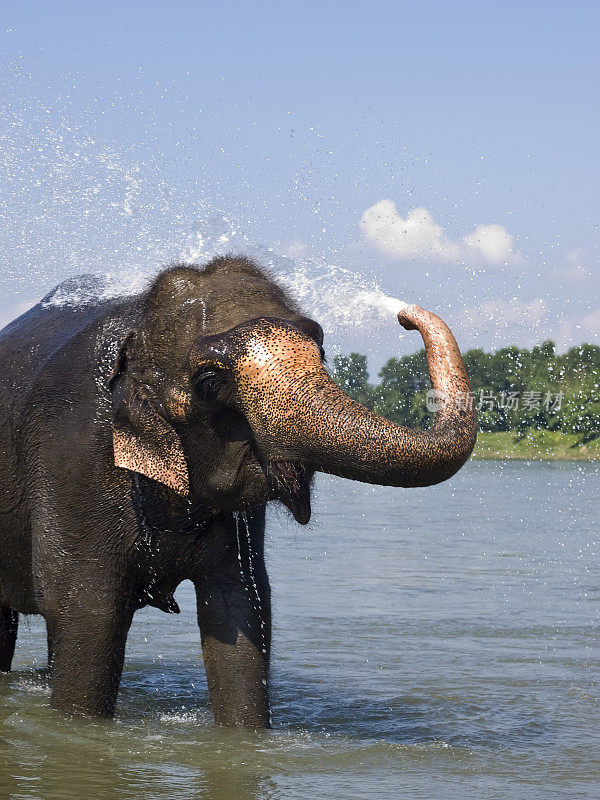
[(469, 673)]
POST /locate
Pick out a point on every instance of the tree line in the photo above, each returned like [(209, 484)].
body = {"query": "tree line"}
[(514, 389)]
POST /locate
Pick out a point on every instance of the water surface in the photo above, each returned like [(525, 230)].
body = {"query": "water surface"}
[(430, 643)]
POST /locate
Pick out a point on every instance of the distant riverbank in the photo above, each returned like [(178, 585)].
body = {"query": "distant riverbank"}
[(536, 445)]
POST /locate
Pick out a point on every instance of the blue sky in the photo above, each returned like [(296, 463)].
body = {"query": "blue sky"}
[(446, 151)]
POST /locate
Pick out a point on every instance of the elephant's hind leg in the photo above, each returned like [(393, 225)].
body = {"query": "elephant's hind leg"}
[(9, 621)]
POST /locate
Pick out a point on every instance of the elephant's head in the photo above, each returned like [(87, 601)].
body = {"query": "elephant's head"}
[(221, 395)]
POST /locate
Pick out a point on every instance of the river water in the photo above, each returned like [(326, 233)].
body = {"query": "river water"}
[(431, 643)]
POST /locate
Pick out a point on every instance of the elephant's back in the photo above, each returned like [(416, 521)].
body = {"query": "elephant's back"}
[(27, 342), (62, 327)]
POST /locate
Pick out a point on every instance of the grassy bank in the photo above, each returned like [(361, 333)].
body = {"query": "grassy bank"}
[(536, 445)]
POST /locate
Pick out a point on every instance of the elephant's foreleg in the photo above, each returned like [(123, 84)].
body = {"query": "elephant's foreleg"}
[(88, 649), (9, 621), (235, 623)]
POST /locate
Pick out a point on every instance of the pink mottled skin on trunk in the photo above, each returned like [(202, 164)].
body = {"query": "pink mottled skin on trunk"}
[(296, 410)]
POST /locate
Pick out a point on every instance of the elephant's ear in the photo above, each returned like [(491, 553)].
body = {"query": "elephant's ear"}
[(143, 440)]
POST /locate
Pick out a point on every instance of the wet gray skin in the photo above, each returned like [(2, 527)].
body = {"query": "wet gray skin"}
[(137, 430)]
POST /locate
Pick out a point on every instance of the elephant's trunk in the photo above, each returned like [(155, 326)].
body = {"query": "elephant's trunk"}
[(298, 414)]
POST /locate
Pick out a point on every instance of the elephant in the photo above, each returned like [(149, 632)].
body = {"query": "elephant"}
[(142, 437)]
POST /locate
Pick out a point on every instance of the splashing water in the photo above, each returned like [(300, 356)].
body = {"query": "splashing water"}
[(337, 296), (332, 294), (71, 204), (236, 517), (258, 605), (249, 579)]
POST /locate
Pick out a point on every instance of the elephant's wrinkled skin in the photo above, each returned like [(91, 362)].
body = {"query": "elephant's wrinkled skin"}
[(133, 432)]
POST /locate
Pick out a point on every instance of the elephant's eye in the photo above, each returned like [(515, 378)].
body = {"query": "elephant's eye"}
[(208, 384)]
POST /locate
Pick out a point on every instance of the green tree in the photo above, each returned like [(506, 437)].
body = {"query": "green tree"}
[(479, 368), (350, 373), (581, 409), (514, 389), (402, 379)]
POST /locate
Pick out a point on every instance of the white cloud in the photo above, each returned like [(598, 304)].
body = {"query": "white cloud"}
[(498, 323), (418, 236), (494, 243), (415, 235), (578, 328), (577, 269), (589, 324)]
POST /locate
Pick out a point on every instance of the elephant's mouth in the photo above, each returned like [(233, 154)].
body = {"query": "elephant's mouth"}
[(291, 486)]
